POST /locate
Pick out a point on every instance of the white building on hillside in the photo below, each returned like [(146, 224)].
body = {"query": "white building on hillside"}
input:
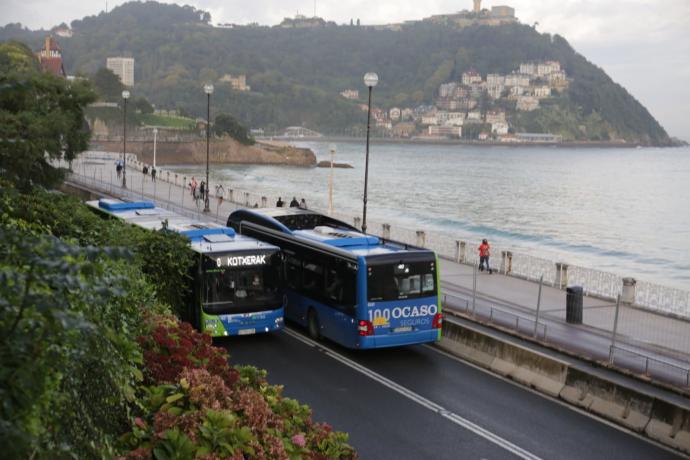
[(123, 67)]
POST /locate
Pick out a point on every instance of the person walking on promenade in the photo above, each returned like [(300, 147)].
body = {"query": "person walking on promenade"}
[(303, 204), (153, 173), (202, 190), (145, 170), (118, 168), (192, 186), (484, 253), (294, 203), (280, 203)]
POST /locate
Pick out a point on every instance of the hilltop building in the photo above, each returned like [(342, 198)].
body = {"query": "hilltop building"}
[(238, 83), (351, 94), (303, 22), (50, 57), (123, 67), (498, 15)]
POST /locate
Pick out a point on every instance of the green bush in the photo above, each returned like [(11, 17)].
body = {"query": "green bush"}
[(69, 317)]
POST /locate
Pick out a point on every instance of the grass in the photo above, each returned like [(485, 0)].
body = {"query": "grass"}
[(166, 121)]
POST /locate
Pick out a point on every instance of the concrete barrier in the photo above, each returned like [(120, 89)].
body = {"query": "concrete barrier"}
[(523, 365), (670, 425), (612, 401), (660, 420)]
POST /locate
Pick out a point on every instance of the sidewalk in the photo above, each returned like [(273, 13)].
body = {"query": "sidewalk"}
[(646, 342)]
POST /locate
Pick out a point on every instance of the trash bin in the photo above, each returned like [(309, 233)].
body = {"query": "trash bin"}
[(573, 304)]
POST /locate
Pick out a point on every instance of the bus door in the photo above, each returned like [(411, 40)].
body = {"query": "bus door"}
[(341, 295)]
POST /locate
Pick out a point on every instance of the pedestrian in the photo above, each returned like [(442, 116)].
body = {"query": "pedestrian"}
[(153, 174), (294, 203), (220, 194), (484, 253), (280, 203), (118, 168), (192, 186), (303, 204), (146, 170), (202, 190)]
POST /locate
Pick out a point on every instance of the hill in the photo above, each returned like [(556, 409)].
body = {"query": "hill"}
[(296, 74)]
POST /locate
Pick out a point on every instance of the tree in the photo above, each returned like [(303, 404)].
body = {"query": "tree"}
[(227, 124), (41, 118), (141, 104), (108, 85)]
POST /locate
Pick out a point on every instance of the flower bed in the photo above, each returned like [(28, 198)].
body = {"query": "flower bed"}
[(195, 405)]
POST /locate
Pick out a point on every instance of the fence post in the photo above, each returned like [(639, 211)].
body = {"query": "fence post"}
[(503, 262), (170, 190), (230, 197), (463, 252), (536, 320), (474, 287), (561, 275), (246, 199), (510, 263), (358, 222), (264, 202), (386, 231), (421, 238), (628, 295), (615, 329)]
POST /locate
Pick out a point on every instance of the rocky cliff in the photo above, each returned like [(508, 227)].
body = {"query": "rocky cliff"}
[(222, 151)]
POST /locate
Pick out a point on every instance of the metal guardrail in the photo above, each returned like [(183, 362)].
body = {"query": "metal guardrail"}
[(684, 368), (494, 313)]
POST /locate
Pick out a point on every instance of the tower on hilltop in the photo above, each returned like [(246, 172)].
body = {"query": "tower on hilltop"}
[(477, 6)]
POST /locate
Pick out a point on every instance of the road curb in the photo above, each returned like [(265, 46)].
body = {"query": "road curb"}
[(661, 420)]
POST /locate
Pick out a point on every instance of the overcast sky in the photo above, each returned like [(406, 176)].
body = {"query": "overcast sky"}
[(642, 44)]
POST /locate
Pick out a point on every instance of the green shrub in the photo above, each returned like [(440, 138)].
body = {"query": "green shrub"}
[(69, 317)]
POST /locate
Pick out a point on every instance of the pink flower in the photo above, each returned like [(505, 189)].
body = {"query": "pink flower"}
[(299, 440), (140, 423)]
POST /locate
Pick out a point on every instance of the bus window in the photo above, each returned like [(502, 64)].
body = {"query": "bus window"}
[(341, 286), (293, 267), (400, 281), (313, 279)]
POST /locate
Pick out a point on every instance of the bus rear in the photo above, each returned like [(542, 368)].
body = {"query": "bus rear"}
[(399, 301)]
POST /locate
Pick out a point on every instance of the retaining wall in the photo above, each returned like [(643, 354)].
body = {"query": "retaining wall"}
[(662, 420)]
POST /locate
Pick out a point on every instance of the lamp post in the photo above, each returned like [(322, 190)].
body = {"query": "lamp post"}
[(330, 182), (125, 96), (208, 89), (155, 136), (370, 80)]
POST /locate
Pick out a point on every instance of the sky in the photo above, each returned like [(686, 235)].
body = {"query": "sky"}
[(642, 44)]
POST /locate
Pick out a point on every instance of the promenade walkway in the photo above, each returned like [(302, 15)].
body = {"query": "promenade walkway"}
[(649, 344)]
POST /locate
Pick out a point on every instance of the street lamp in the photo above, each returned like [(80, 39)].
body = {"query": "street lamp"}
[(330, 182), (208, 89), (370, 80), (125, 96), (155, 136)]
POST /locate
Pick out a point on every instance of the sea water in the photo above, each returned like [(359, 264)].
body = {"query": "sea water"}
[(622, 210)]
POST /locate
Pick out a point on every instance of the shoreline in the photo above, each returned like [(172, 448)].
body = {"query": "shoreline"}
[(418, 141)]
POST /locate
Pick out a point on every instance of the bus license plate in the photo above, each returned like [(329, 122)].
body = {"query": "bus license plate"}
[(246, 332), (403, 329)]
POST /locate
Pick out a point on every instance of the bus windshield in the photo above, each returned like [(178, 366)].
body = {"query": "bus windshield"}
[(241, 289), (395, 281)]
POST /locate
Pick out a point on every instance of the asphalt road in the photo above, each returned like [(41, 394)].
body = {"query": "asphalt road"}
[(419, 403)]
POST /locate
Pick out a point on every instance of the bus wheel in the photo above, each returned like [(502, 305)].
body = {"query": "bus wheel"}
[(313, 325)]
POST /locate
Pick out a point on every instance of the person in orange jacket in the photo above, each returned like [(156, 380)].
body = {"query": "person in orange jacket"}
[(484, 253)]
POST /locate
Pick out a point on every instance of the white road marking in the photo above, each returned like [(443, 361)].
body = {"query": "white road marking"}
[(411, 395)]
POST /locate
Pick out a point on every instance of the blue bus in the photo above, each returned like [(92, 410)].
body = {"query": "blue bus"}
[(236, 280), (352, 288)]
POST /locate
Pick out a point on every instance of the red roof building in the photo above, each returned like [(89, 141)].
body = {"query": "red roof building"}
[(50, 58)]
